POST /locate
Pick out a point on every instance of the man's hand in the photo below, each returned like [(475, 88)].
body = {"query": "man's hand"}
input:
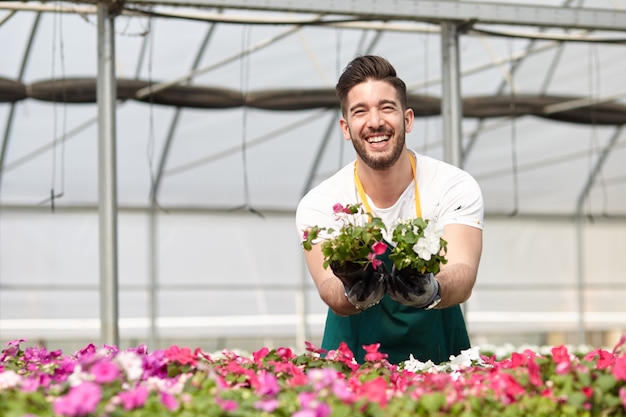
[(365, 286), (413, 289)]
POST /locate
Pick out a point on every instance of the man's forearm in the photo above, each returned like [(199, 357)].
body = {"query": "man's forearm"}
[(456, 282)]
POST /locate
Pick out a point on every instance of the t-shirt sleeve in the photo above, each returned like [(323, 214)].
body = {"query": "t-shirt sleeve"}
[(462, 202)]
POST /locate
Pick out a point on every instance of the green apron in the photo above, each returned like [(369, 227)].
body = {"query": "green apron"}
[(401, 331)]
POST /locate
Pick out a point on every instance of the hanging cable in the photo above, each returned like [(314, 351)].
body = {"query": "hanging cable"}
[(512, 108), (245, 80), (57, 18), (150, 144), (594, 145)]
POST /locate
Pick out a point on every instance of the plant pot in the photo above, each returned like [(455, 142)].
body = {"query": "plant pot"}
[(350, 272), (410, 287)]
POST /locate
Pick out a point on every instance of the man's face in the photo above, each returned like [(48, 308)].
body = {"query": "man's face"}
[(376, 123)]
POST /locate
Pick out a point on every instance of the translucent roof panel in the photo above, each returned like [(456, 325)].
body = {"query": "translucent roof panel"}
[(529, 134)]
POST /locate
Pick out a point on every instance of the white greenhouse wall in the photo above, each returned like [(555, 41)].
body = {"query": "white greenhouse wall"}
[(226, 276)]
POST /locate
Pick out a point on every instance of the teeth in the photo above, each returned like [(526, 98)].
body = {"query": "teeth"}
[(377, 139)]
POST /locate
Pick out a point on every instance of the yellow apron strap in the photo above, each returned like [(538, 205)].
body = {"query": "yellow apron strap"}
[(359, 187)]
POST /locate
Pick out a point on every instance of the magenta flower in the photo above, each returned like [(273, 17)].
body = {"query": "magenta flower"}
[(339, 208), (169, 401), (134, 398), (81, 400), (266, 384), (105, 372)]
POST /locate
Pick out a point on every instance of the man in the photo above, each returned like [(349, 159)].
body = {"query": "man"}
[(394, 183)]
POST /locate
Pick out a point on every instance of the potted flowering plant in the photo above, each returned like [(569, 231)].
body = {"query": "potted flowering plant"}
[(417, 257), (355, 244), (419, 246)]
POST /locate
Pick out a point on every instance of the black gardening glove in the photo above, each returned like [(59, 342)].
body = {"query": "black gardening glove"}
[(364, 286), (409, 287)]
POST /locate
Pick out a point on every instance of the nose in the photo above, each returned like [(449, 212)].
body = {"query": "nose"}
[(374, 120)]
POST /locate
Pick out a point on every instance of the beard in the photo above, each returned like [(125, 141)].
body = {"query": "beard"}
[(380, 161)]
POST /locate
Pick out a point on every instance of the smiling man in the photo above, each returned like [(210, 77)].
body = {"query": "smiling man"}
[(395, 183)]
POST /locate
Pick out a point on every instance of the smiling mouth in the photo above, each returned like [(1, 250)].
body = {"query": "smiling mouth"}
[(378, 139)]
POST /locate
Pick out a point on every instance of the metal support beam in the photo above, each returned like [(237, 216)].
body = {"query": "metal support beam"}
[(451, 105), (434, 10), (107, 182), (580, 238)]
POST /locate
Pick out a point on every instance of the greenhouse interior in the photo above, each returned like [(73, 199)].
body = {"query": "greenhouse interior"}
[(153, 153)]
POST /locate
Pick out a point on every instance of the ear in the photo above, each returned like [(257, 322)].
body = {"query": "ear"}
[(345, 129), (409, 117)]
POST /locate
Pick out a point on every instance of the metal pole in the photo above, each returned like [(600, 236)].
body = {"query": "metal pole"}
[(451, 107), (107, 205)]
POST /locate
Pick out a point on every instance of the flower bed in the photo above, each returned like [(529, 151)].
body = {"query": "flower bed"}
[(181, 382)]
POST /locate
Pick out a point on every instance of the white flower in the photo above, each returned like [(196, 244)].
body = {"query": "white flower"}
[(466, 358), (414, 365), (77, 376), (430, 244), (131, 363), (9, 379)]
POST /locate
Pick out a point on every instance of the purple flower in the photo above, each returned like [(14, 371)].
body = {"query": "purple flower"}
[(79, 401)]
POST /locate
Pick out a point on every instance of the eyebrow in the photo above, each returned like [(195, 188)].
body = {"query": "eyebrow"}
[(380, 103)]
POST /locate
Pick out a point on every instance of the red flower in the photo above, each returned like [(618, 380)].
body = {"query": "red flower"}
[(183, 356), (588, 391)]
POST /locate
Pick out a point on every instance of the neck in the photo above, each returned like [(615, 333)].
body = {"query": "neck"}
[(385, 187)]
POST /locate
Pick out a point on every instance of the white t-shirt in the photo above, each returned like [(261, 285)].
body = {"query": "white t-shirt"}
[(448, 195)]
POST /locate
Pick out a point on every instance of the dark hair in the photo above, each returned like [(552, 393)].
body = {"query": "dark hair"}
[(364, 68)]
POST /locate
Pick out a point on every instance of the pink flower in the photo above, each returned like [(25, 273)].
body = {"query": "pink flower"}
[(105, 372), (561, 357), (182, 356), (135, 398), (226, 405), (169, 401), (605, 359), (267, 405), (379, 248), (266, 384), (622, 396), (375, 391), (619, 369), (312, 348), (260, 354), (79, 401), (372, 354), (375, 262)]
